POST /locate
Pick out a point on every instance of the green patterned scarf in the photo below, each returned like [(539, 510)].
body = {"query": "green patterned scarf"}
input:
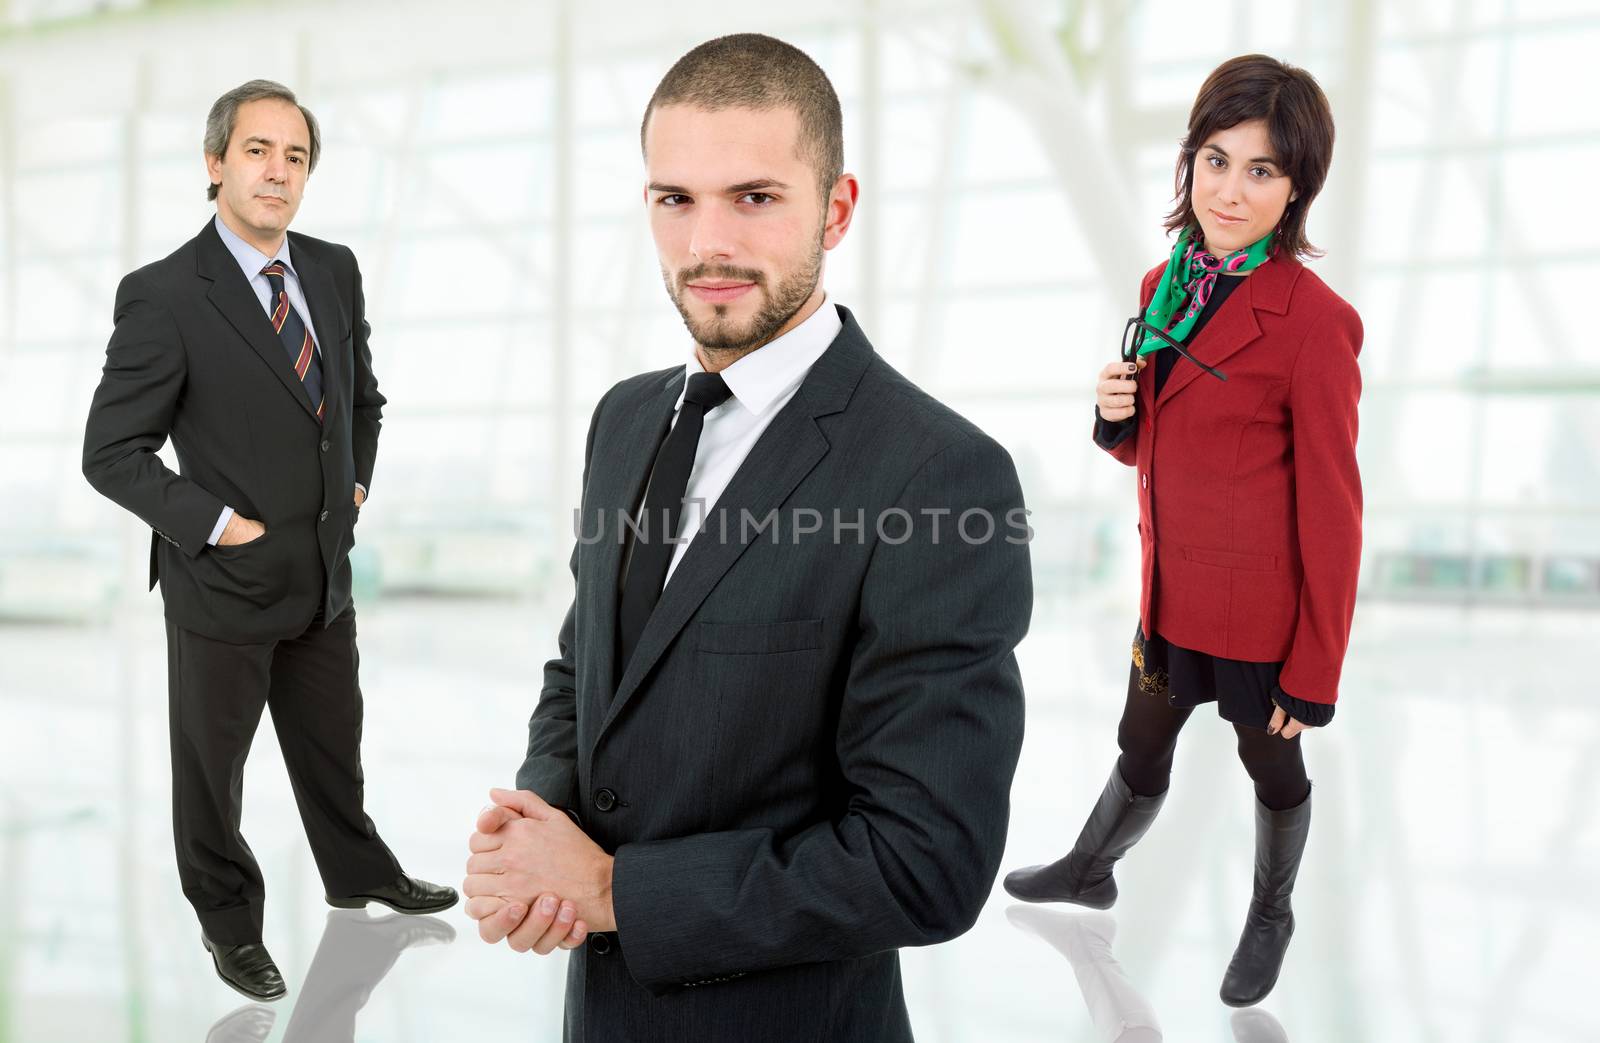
[(1186, 284)]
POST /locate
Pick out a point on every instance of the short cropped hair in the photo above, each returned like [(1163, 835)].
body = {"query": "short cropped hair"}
[(1299, 127), (225, 113), (749, 70)]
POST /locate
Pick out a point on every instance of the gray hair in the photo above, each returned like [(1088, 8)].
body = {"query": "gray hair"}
[(225, 113)]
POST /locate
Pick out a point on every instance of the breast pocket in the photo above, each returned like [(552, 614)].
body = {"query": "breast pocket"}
[(765, 678), (766, 687)]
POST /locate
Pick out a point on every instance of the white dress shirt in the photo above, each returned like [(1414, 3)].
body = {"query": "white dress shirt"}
[(251, 261), (762, 383)]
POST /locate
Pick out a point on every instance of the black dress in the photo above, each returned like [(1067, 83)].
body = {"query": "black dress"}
[(1245, 692)]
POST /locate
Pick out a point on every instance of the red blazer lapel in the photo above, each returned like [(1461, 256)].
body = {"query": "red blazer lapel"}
[(1266, 289)]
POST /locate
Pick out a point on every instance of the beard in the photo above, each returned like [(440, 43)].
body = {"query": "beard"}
[(778, 303)]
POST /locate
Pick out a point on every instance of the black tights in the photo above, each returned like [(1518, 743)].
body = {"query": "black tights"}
[(1148, 736)]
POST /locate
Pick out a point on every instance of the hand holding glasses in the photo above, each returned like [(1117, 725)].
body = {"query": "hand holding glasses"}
[(1114, 396), (1134, 333)]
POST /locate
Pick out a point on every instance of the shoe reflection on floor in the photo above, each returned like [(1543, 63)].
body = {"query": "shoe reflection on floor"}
[(251, 1023), (354, 955), (1119, 1011)]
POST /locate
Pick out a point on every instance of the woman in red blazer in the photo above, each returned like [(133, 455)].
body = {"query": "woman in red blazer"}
[(1236, 406)]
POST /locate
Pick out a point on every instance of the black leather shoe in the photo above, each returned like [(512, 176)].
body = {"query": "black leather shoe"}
[(1280, 841), (406, 895), (1120, 817), (247, 969)]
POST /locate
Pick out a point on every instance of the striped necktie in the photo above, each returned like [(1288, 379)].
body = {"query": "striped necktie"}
[(295, 336)]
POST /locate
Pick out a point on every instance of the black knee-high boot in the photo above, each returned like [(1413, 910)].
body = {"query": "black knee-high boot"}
[(1120, 817), (1280, 841)]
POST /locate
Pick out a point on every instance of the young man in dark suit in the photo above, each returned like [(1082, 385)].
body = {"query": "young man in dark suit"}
[(247, 347), (779, 739)]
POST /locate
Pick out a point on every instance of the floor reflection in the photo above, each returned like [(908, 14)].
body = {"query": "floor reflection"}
[(249, 1024), (1121, 1013), (1257, 1026), (354, 955), (1421, 917)]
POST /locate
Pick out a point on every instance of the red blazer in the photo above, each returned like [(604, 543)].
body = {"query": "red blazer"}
[(1249, 495)]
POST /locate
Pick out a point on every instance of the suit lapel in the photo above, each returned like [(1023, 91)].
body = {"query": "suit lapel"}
[(1234, 327), (233, 297), (786, 452), (322, 297)]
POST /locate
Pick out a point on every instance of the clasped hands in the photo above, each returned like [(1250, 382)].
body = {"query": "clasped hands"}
[(535, 879)]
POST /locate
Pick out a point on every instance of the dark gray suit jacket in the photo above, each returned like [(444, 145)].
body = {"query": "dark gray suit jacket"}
[(807, 764)]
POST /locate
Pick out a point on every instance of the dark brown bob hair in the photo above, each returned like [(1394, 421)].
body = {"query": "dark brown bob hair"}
[(1299, 127)]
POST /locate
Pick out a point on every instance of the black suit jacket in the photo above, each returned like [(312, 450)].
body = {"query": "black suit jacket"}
[(807, 763), (194, 358)]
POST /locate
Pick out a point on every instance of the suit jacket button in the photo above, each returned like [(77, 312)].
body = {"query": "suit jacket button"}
[(325, 445), (322, 517), (600, 943), (605, 800)]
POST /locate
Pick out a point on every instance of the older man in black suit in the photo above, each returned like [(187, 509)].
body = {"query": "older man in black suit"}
[(248, 348)]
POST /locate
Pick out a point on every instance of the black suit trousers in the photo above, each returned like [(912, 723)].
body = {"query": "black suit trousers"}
[(216, 692)]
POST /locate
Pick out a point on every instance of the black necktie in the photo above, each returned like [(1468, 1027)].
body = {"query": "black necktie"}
[(296, 338), (669, 480)]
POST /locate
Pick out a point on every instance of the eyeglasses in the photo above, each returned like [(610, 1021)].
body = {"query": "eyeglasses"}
[(1134, 333)]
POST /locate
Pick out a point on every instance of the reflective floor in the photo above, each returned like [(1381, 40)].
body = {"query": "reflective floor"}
[(1447, 895)]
